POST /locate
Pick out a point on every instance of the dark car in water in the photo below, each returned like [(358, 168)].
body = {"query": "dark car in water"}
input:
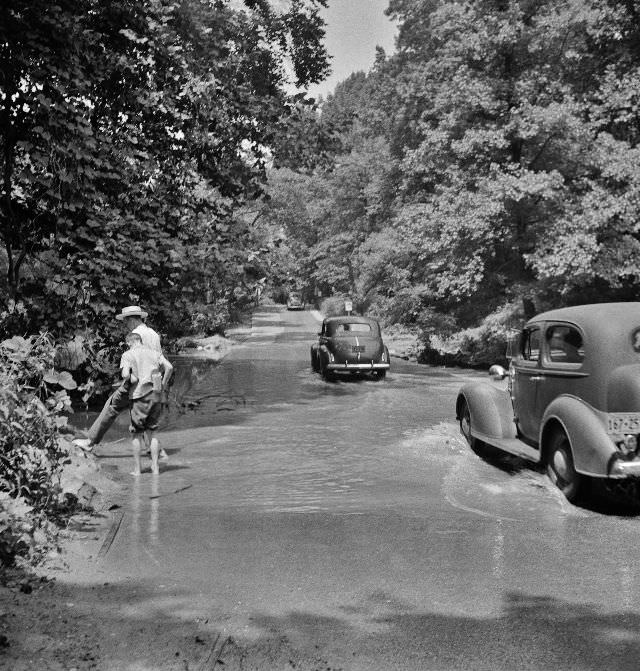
[(350, 345), (572, 398), (295, 301)]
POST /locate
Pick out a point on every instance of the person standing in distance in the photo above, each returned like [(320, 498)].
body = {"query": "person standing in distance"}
[(133, 317)]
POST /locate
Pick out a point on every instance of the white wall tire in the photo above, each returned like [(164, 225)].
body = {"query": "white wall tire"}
[(560, 467)]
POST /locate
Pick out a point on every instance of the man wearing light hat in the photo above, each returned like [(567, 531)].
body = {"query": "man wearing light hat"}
[(133, 317)]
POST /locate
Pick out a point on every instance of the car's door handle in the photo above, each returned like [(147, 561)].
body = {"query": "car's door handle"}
[(536, 378)]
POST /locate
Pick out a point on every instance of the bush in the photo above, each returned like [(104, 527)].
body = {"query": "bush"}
[(212, 319), (402, 307), (33, 406), (280, 294), (24, 532), (93, 362), (477, 347), (14, 319), (333, 306)]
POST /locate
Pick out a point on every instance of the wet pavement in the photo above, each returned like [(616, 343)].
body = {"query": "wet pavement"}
[(348, 526)]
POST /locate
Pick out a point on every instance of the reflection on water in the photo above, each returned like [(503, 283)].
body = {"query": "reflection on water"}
[(498, 552), (143, 532), (154, 512)]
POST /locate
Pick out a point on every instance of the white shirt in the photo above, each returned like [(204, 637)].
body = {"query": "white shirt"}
[(147, 365), (149, 337)]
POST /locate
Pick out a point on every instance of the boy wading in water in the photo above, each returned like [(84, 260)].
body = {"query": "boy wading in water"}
[(147, 374)]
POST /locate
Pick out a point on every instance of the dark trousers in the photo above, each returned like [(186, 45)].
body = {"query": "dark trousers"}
[(115, 404)]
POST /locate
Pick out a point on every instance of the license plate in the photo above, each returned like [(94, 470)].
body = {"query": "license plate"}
[(357, 348), (623, 422)]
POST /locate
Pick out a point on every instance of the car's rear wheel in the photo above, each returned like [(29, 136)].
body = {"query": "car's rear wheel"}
[(327, 375), (464, 415), (560, 467), (314, 361), (380, 374)]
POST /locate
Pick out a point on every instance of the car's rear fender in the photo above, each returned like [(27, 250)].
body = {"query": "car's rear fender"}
[(325, 352), (591, 446), (491, 411)]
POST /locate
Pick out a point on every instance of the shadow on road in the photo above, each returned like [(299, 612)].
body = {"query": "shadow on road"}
[(530, 633)]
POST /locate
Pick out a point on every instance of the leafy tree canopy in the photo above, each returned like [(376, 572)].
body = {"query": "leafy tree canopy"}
[(496, 152), (132, 133)]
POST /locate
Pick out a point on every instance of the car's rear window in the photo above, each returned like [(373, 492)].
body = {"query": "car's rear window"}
[(353, 328)]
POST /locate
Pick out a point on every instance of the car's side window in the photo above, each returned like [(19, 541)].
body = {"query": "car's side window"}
[(565, 344), (530, 345)]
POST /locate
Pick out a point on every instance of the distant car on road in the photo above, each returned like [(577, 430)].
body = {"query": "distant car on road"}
[(295, 302), (350, 345), (572, 401)]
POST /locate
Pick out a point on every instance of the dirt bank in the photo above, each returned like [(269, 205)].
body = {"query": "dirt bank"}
[(40, 627)]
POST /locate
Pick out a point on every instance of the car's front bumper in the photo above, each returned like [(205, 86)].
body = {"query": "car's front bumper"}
[(357, 367)]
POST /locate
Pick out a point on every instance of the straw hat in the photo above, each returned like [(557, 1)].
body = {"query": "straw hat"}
[(131, 311)]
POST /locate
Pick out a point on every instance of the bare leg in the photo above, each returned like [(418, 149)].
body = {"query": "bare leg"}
[(162, 455), (137, 470), (155, 449)]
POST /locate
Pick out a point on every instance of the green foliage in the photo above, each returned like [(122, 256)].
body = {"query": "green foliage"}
[(132, 134), (14, 319), (493, 157), (480, 346), (32, 409), (211, 319), (33, 406), (333, 306), (24, 532), (91, 359), (16, 529)]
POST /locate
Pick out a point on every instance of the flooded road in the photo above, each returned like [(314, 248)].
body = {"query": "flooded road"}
[(313, 525)]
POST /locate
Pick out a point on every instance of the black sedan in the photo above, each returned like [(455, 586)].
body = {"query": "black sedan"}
[(295, 301), (350, 345)]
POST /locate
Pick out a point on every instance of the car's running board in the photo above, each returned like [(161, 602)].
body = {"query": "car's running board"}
[(513, 446)]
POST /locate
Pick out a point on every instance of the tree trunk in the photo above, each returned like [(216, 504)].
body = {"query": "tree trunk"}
[(529, 307)]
